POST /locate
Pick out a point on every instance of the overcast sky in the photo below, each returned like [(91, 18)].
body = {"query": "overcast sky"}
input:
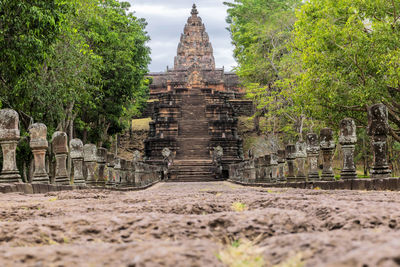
[(166, 20)]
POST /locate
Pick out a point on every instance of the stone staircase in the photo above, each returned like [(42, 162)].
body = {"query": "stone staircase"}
[(192, 163), (192, 170)]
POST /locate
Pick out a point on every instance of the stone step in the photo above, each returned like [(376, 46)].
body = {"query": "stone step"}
[(194, 179), (194, 162), (189, 172)]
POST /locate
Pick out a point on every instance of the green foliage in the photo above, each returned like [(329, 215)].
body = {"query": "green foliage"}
[(27, 30), (261, 32), (119, 39), (75, 65), (351, 53)]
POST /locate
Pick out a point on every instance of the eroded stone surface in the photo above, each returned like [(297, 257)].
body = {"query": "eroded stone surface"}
[(9, 136), (347, 140), (39, 144), (76, 153), (378, 129), (90, 159), (327, 146), (59, 144), (312, 156), (187, 224), (290, 159), (301, 155)]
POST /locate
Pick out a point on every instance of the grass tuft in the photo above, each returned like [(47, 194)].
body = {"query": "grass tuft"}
[(238, 206), (242, 253)]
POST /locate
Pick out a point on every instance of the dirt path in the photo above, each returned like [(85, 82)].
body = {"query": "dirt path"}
[(191, 224)]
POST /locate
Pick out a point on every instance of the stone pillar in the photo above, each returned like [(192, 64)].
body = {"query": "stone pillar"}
[(138, 174), (117, 170), (274, 168), (123, 173), (9, 136), (301, 156), (312, 155), (281, 165), (249, 174), (347, 140), (327, 147), (90, 159), (378, 128), (101, 166), (59, 143), (133, 173), (259, 165), (76, 153), (267, 168), (290, 159), (39, 145), (111, 172), (129, 173)]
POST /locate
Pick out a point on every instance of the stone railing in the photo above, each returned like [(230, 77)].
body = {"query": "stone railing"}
[(301, 160), (91, 166)]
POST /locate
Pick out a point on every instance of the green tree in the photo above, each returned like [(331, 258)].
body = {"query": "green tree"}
[(262, 31), (119, 38), (27, 31), (350, 54)]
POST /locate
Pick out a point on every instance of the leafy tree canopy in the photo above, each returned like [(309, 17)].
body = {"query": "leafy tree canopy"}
[(350, 54), (78, 65)]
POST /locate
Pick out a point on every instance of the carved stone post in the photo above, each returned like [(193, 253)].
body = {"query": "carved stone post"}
[(327, 147), (90, 159), (259, 166), (281, 165), (274, 168), (76, 153), (129, 173), (267, 169), (312, 155), (9, 136), (123, 172), (133, 173), (301, 155), (111, 171), (378, 128), (290, 158), (117, 170), (101, 165), (139, 179), (59, 143), (136, 161), (250, 175), (347, 140), (39, 145)]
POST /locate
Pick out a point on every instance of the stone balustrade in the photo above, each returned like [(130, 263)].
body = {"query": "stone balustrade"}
[(95, 167), (287, 168), (91, 166)]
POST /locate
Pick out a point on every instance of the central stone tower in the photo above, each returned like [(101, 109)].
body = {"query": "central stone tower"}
[(194, 49), (194, 109)]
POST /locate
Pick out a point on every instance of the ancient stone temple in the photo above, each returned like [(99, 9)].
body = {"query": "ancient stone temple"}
[(194, 109)]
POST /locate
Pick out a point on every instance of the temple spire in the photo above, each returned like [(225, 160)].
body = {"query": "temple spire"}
[(194, 10), (194, 49)]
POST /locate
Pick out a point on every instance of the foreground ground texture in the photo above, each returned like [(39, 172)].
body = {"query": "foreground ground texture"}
[(197, 224)]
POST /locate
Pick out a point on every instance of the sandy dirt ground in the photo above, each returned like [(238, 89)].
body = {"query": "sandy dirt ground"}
[(189, 224)]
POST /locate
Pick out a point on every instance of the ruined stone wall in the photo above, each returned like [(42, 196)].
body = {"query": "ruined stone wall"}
[(91, 166), (298, 165)]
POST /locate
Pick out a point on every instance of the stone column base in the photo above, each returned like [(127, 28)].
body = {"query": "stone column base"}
[(10, 177)]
